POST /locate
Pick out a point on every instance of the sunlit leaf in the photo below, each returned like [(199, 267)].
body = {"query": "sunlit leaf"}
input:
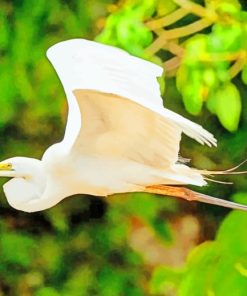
[(228, 106), (193, 97), (165, 280), (244, 75)]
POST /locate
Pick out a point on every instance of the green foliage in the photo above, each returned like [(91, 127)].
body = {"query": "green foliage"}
[(244, 75), (150, 211), (20, 245), (87, 258), (125, 28), (206, 66), (226, 38), (202, 76), (63, 251), (84, 246), (24, 71), (165, 280), (213, 268), (225, 7), (206, 70), (165, 7), (225, 99)]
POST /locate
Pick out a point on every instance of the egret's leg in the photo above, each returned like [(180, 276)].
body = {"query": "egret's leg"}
[(190, 195)]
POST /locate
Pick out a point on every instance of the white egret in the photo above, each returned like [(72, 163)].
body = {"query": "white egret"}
[(119, 137)]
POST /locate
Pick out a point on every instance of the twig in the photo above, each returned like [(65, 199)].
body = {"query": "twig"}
[(238, 65), (177, 33), (187, 30), (175, 48), (172, 64), (197, 9), (208, 57), (167, 20), (172, 46), (158, 32)]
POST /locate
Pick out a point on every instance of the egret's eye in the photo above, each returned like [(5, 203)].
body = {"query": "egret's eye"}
[(6, 166)]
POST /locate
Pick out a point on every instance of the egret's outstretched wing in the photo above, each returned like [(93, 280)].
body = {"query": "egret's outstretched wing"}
[(114, 126), (83, 64), (118, 98)]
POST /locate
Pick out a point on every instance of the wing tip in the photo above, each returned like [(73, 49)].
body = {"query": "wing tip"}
[(79, 42), (201, 135)]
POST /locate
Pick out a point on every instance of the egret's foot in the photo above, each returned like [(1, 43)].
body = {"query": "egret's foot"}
[(190, 195)]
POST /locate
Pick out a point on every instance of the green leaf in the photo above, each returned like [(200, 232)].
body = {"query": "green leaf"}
[(196, 46), (193, 98), (165, 7), (214, 4), (232, 233), (162, 84), (244, 75), (125, 28), (182, 77), (240, 197), (200, 269), (225, 7), (225, 38), (228, 106), (165, 280), (211, 104), (235, 269), (209, 77)]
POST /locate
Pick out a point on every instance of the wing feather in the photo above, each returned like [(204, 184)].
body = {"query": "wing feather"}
[(117, 127), (118, 98)]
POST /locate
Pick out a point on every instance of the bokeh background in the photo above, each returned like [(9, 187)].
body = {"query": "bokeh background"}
[(131, 244)]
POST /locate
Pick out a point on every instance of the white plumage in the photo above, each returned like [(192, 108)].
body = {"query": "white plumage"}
[(118, 138), (115, 108), (83, 64)]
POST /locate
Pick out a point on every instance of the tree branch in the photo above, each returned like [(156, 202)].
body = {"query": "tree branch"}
[(177, 33), (197, 9), (172, 64), (167, 20), (238, 65)]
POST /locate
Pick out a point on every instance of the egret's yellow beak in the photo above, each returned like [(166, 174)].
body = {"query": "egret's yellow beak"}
[(7, 170), (6, 166)]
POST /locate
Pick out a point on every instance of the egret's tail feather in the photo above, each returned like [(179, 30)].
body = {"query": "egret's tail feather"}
[(190, 195), (231, 171), (218, 181)]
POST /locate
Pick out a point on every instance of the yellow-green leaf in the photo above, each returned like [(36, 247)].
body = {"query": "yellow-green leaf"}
[(228, 106)]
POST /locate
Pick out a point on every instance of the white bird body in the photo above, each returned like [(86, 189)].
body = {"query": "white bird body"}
[(119, 137)]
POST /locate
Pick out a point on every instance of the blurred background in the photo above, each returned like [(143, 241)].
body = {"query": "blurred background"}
[(131, 244)]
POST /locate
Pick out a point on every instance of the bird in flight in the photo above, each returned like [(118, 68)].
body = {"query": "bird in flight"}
[(119, 138)]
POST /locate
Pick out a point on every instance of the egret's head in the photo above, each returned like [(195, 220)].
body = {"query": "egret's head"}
[(28, 180)]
